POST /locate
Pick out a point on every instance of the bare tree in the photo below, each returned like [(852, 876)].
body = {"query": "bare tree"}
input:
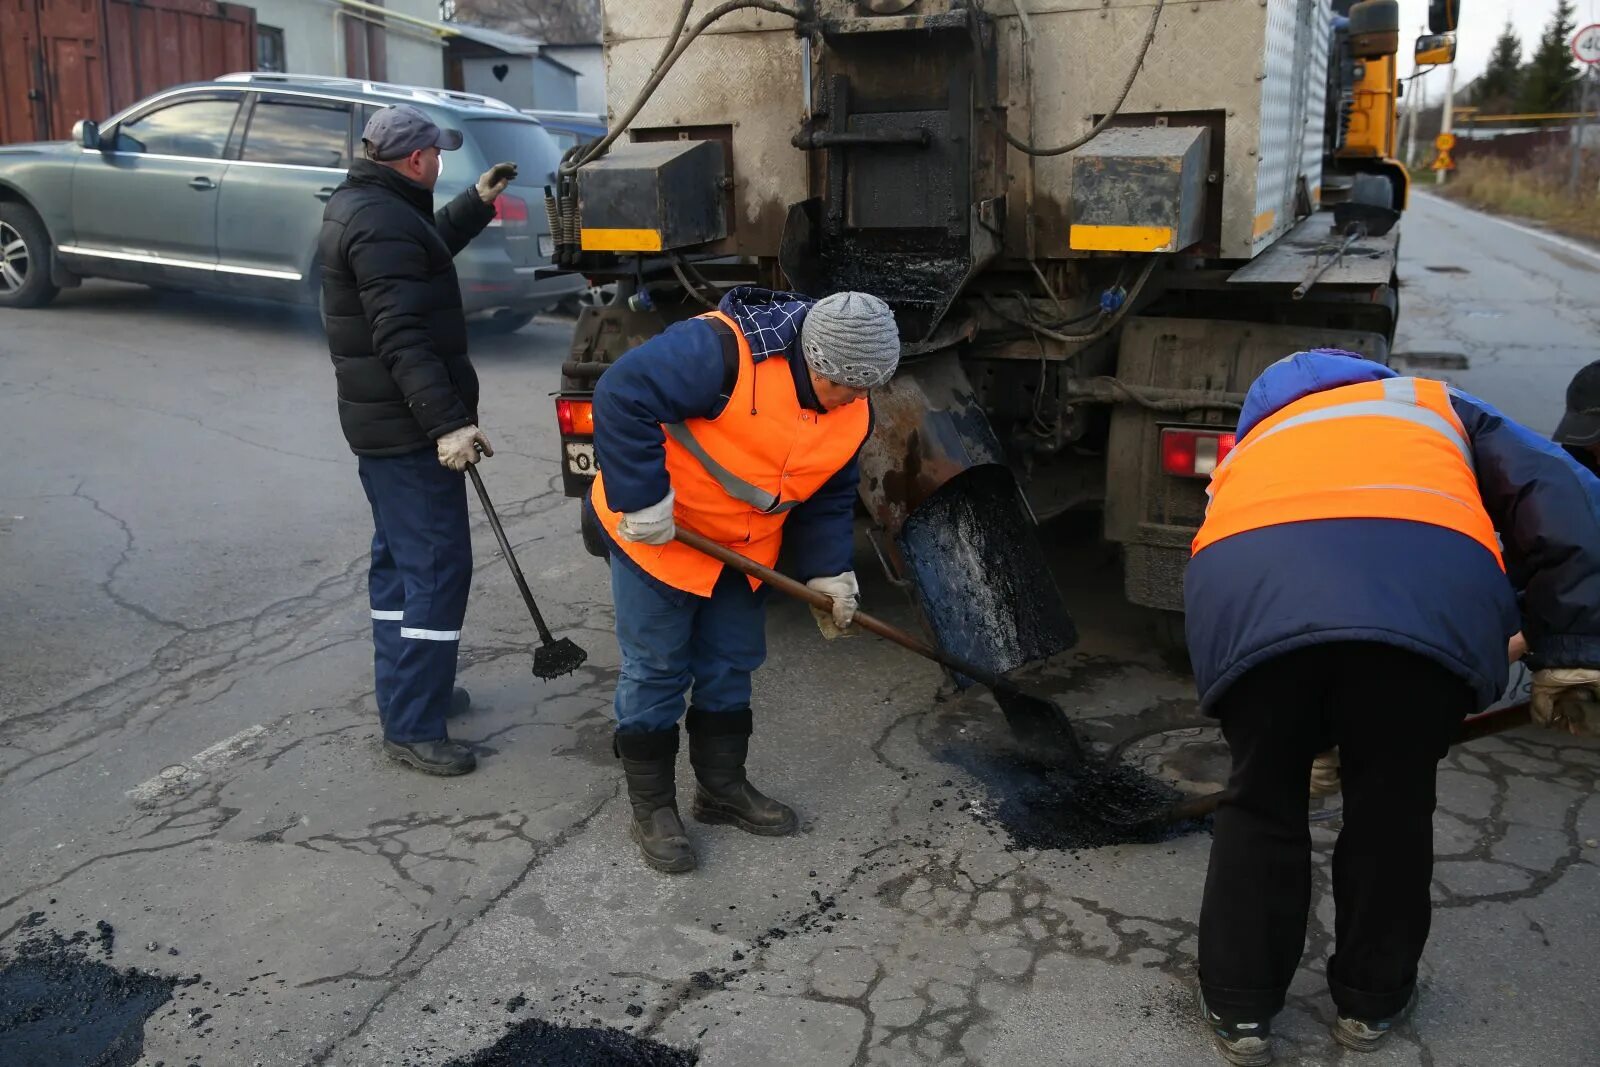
[(551, 21)]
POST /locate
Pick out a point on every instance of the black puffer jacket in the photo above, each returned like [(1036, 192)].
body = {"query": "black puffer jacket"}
[(392, 306)]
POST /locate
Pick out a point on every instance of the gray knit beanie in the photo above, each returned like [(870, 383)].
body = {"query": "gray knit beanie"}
[(850, 338)]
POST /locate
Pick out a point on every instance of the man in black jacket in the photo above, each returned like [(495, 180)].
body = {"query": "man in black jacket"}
[(408, 404)]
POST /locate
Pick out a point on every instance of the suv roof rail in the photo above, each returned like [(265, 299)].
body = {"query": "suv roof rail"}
[(389, 89)]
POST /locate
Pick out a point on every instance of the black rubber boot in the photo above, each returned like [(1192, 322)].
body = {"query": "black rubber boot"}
[(718, 744), (649, 760)]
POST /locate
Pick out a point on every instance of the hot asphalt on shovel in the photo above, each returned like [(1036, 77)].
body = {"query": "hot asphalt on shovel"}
[(1038, 722), (552, 658)]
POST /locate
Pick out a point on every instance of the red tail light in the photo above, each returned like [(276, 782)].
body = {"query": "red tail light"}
[(1194, 453), (575, 417), (510, 209)]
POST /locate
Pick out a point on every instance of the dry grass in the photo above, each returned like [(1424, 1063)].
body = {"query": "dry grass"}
[(1534, 190)]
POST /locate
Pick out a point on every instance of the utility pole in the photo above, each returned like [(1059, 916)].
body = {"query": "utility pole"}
[(1413, 109), (1578, 133), (1448, 125)]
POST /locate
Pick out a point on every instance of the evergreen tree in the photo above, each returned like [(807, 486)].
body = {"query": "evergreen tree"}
[(1551, 76), (1496, 92)]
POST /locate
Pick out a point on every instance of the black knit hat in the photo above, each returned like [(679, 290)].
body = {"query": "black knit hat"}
[(1581, 425)]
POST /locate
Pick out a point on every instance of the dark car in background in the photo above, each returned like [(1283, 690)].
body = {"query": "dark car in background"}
[(568, 128), (219, 186)]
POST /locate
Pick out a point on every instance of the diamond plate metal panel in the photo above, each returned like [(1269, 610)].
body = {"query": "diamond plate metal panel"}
[(751, 81), (1261, 63)]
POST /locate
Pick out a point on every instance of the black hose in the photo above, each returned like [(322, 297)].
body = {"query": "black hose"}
[(1106, 120), (665, 63)]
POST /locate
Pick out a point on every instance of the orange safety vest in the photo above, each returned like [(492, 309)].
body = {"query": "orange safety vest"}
[(738, 475), (1391, 449)]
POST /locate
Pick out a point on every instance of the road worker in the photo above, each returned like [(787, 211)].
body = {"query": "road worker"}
[(743, 425), (1353, 584)]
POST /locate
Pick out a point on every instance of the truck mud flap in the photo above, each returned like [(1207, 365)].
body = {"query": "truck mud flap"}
[(973, 558)]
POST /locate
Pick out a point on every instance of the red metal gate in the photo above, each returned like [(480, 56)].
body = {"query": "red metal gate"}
[(56, 66)]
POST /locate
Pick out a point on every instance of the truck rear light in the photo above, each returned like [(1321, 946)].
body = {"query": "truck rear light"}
[(1194, 453), (509, 209), (575, 417)]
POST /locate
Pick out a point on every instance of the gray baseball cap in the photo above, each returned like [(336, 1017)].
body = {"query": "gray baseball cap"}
[(396, 132)]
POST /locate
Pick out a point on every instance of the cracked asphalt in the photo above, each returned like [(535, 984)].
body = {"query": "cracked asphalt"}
[(188, 752)]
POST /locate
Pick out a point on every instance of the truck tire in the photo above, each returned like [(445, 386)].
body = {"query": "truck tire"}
[(594, 542), (25, 258)]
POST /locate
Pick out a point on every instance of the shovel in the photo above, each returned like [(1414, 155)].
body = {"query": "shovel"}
[(1038, 722), (552, 658), (1496, 721)]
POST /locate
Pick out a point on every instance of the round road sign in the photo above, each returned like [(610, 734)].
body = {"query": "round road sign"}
[(1586, 44), (1444, 142)]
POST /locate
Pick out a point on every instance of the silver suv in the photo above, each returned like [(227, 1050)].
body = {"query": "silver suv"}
[(219, 186)]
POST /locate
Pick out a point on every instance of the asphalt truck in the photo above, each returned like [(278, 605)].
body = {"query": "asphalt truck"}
[(1096, 221)]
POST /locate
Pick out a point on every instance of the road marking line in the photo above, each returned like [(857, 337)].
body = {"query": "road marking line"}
[(1542, 235), (182, 777)]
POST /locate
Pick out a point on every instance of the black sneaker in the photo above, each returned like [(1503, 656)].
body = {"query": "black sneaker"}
[(1242, 1044), (443, 757), (1366, 1035)]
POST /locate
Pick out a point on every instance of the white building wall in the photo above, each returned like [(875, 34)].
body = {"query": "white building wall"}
[(313, 38), (590, 63)]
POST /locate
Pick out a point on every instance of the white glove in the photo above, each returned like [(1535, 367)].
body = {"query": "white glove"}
[(846, 594), (1325, 781), (1517, 648), (460, 449), (652, 525), (1567, 698)]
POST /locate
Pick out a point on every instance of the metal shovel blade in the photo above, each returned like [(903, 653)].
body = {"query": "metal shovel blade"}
[(980, 574), (558, 658)]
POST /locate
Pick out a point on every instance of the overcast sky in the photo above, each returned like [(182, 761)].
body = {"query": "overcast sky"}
[(1481, 23)]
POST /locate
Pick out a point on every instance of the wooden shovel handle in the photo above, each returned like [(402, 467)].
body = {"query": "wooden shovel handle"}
[(824, 602)]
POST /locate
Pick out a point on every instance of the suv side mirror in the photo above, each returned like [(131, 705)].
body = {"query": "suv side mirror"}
[(87, 133), (1435, 49), (1444, 15)]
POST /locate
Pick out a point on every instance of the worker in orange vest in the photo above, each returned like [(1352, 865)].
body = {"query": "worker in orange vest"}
[(742, 425), (1355, 584)]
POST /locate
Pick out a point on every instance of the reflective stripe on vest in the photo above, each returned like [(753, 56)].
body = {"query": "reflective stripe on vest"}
[(737, 476), (734, 485), (1396, 467)]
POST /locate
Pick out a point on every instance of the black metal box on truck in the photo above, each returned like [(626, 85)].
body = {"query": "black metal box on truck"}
[(653, 197)]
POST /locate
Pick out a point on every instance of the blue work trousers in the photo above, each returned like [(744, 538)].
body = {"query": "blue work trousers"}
[(673, 642), (418, 584)]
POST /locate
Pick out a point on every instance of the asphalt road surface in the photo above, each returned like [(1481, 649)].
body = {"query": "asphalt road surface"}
[(188, 755)]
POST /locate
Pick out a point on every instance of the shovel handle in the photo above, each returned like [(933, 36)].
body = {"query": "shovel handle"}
[(1473, 727), (824, 602), (511, 560)]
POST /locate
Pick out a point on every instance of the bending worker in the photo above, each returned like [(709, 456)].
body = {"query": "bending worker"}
[(1353, 585), (742, 425), (1579, 431)]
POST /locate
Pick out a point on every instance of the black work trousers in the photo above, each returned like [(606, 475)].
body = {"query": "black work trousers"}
[(1393, 714)]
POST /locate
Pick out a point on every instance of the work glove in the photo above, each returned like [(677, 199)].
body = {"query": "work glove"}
[(652, 525), (493, 182), (460, 449), (845, 593), (1568, 699), (1517, 648), (1325, 778)]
